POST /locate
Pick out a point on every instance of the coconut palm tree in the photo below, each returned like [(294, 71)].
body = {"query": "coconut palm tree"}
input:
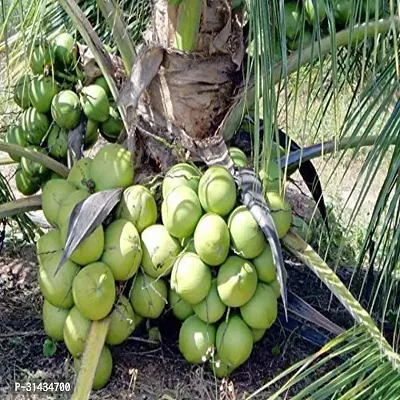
[(194, 69)]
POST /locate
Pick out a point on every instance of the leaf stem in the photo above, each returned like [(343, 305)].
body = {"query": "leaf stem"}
[(20, 206)]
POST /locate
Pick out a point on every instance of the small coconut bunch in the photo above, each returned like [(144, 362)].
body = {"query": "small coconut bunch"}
[(53, 98), (88, 286), (223, 284)]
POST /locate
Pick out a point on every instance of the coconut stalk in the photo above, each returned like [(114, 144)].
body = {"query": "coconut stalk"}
[(20, 206), (40, 158)]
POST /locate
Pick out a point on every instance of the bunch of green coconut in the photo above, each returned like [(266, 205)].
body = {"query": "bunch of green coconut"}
[(54, 99), (203, 257)]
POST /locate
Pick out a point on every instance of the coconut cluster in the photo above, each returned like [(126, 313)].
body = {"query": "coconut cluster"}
[(53, 100)]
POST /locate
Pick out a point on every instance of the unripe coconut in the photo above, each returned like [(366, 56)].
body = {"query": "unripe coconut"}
[(16, 135), (90, 250), (180, 308), (138, 206), (41, 57), (258, 334), (148, 296), (57, 289), (91, 134), (122, 249), (112, 168), (65, 49), (238, 157), (342, 10), (101, 81), (41, 93), (261, 310), (93, 290), (21, 91), (103, 369), (292, 19), (53, 194), (265, 265), (67, 205), (303, 41), (217, 191), (57, 142), (95, 103), (314, 12), (48, 245), (76, 331), (276, 288), (272, 179), (191, 278), (54, 320), (301, 228), (234, 341), (237, 281), (211, 309), (281, 213), (181, 211), (26, 184), (122, 322), (247, 238), (196, 340), (114, 124), (181, 175), (33, 168), (219, 368), (160, 250), (35, 125), (79, 174), (212, 239), (66, 109)]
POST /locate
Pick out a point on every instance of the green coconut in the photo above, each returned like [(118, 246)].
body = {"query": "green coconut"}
[(113, 125), (54, 320), (138, 206), (41, 93), (57, 142), (247, 238), (90, 250), (76, 331), (21, 91), (26, 184), (237, 281), (41, 57), (54, 193), (35, 124), (276, 288), (112, 168), (272, 180), (122, 249), (258, 334), (238, 157), (281, 212), (301, 228), (181, 175), (67, 204), (265, 265), (180, 308), (33, 168), (91, 134), (57, 289), (314, 12), (217, 191), (196, 340), (160, 250), (65, 49), (48, 246), (261, 310), (95, 103), (211, 309), (292, 19), (16, 135), (93, 291), (303, 41), (66, 109), (191, 278), (234, 341), (219, 368), (101, 81), (148, 296), (103, 370), (79, 174), (342, 9), (181, 211), (212, 239)]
